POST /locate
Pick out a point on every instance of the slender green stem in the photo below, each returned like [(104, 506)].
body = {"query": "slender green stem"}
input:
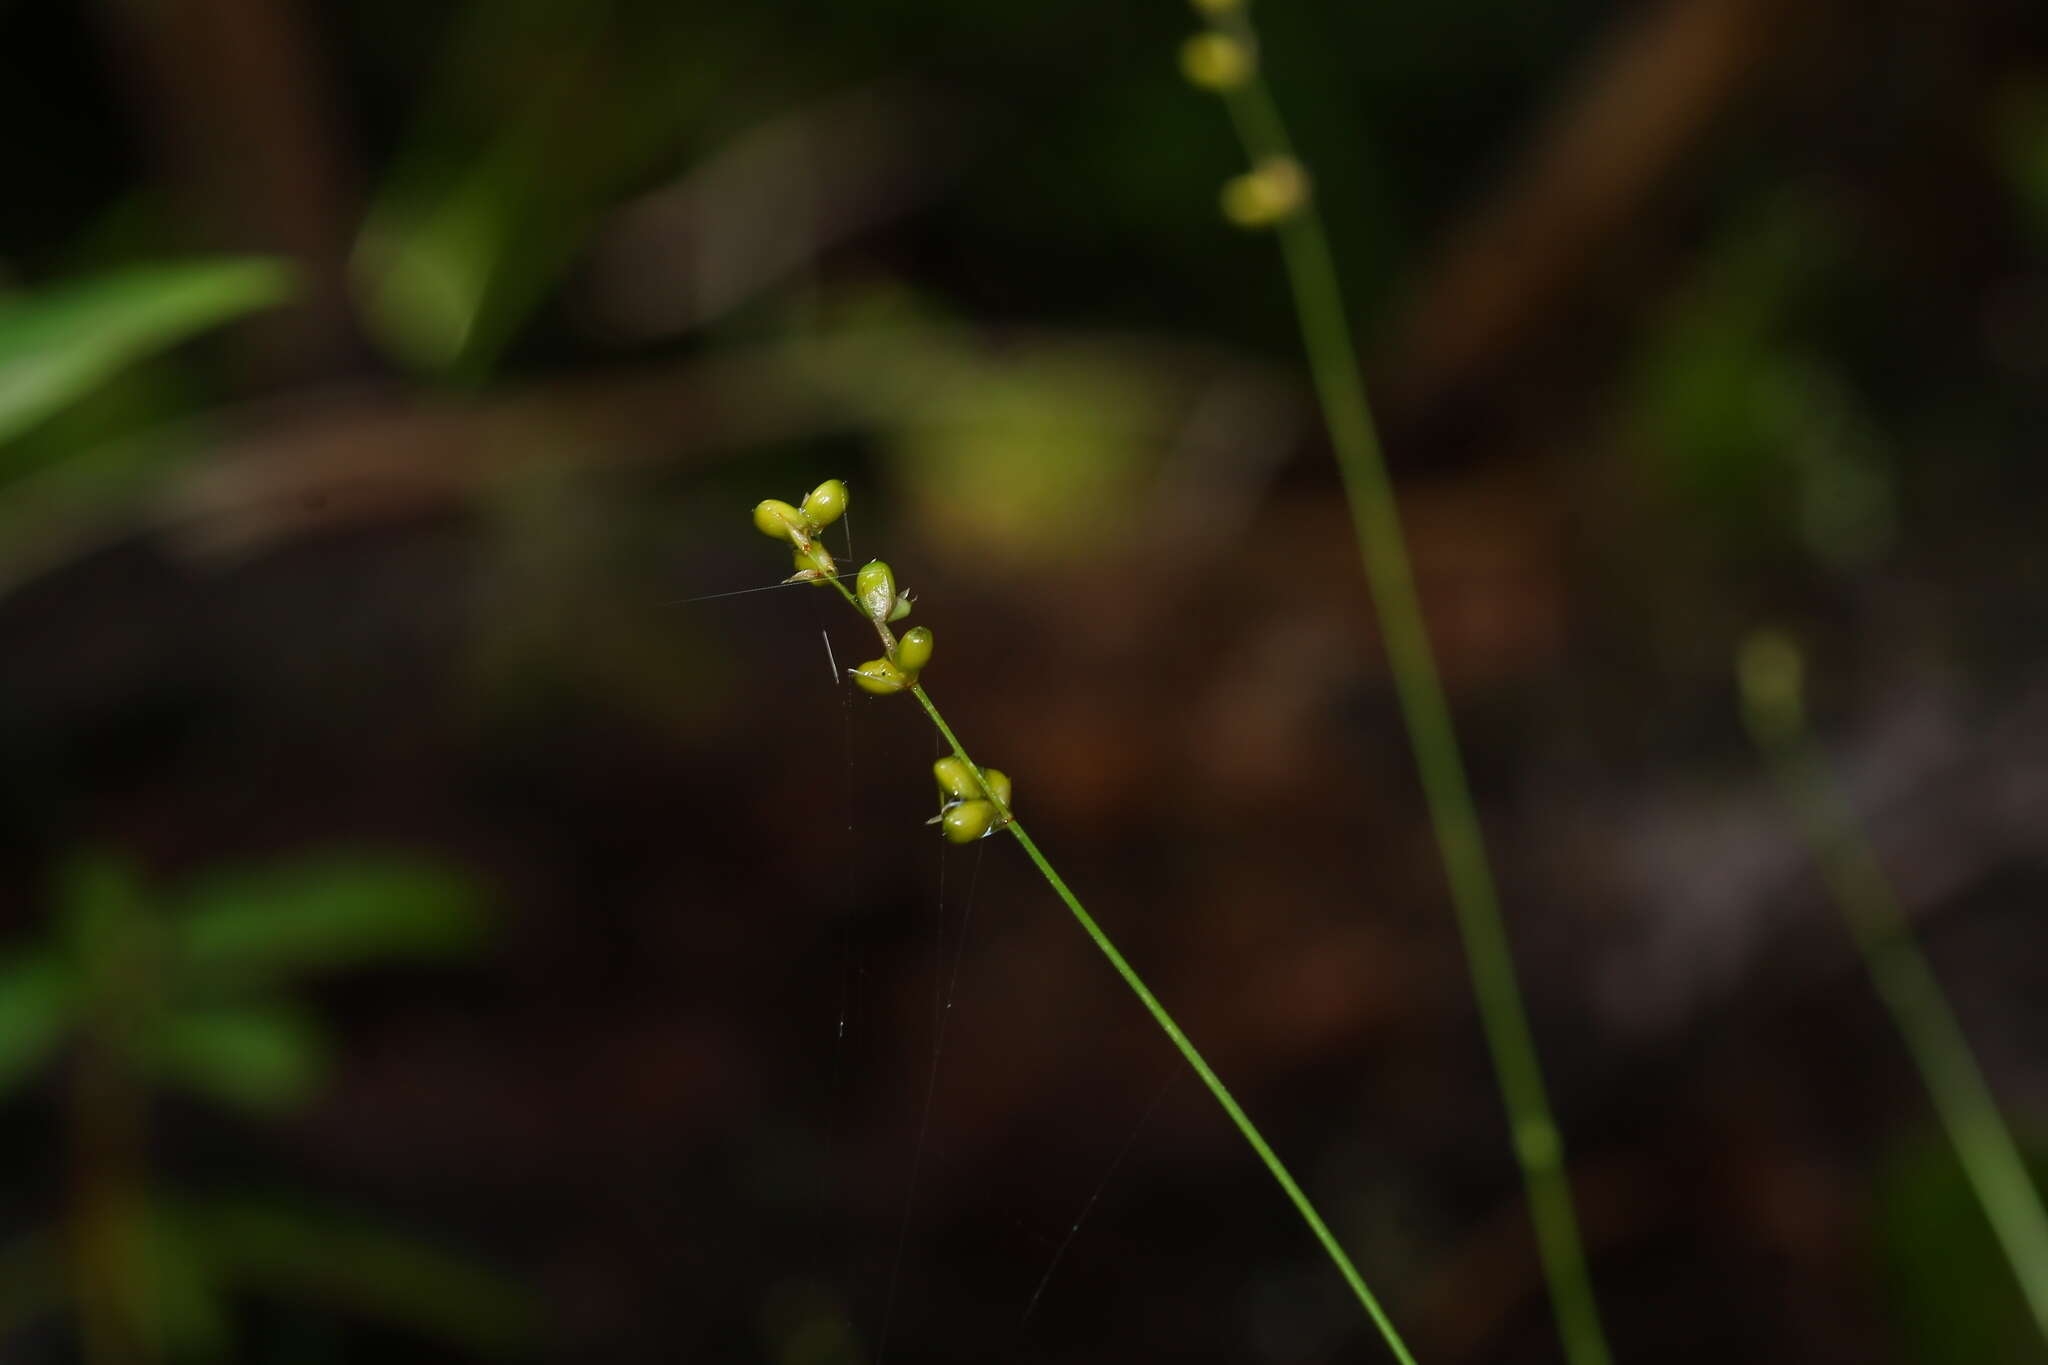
[(1340, 388), (1166, 1023), (1201, 1067), (1919, 1009), (1295, 1195)]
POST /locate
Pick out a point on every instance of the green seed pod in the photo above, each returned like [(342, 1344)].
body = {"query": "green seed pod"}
[(880, 677), (968, 821), (914, 650), (814, 556), (1268, 194), (956, 779), (1215, 61), (826, 503), (779, 521), (998, 785), (901, 607), (876, 588)]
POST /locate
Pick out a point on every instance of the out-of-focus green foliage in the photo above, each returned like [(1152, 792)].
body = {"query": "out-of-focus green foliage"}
[(1950, 1291), (341, 1260), (260, 926), (265, 1057), (1749, 417), (2020, 142), (38, 996), (58, 346), (497, 188), (1030, 451), (1033, 451), (187, 1302), (185, 990)]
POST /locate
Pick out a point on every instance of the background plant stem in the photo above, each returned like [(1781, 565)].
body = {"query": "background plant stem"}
[(1172, 1030), (1333, 360), (1912, 993), (109, 1207)]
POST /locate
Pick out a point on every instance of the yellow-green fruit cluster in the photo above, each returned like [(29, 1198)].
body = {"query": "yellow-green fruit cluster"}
[(897, 671), (875, 589), (799, 526), (825, 504), (914, 650), (776, 518), (880, 677), (974, 807)]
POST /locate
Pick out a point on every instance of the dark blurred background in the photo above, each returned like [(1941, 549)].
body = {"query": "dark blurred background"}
[(438, 923)]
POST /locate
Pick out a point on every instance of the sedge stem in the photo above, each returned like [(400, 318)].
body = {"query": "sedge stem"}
[(1096, 935), (1426, 713), (1906, 983)]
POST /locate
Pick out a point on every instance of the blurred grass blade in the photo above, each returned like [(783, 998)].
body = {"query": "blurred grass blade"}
[(38, 1001), (57, 346), (267, 1057), (1948, 1292), (1324, 318), (373, 1272), (256, 925), (1770, 671)]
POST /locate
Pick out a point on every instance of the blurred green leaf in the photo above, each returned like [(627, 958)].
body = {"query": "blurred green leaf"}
[(265, 1057), (55, 347), (38, 1002), (180, 1294), (1720, 380), (134, 1270), (374, 1272), (489, 199), (100, 900), (1032, 451), (427, 271), (1752, 418), (115, 941), (254, 925), (1949, 1289)]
